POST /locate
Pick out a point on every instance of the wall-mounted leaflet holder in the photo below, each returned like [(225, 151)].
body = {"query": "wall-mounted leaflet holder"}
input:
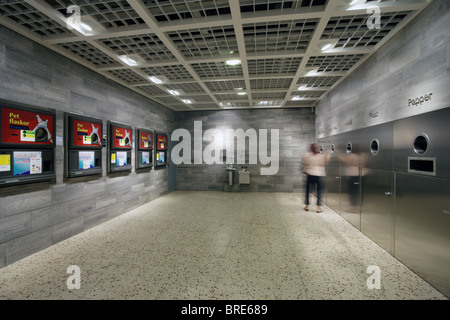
[(144, 149), (119, 147), (27, 143), (161, 149), (83, 152)]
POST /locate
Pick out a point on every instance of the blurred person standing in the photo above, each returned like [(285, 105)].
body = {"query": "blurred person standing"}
[(314, 167)]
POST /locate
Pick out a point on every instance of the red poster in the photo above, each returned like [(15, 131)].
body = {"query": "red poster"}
[(26, 127), (162, 142), (121, 138), (146, 140), (86, 133)]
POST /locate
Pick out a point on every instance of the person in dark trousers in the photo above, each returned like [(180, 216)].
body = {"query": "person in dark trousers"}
[(314, 166)]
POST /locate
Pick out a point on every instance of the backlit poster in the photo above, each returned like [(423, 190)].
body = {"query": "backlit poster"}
[(121, 159), (86, 133), (86, 160), (145, 140), (145, 157), (26, 127), (5, 162), (162, 142), (121, 138), (29, 162)]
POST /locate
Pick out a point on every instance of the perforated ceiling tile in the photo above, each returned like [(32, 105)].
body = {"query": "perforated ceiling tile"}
[(128, 76), (153, 90), (200, 98), (172, 72), (227, 105), (333, 63), (231, 85), (27, 16), (353, 31), (109, 13), (89, 53), (216, 69), (276, 36), (170, 50), (272, 5), (307, 94), (287, 66), (205, 41), (283, 83), (268, 95), (185, 10), (317, 82), (229, 96), (147, 46), (186, 87)]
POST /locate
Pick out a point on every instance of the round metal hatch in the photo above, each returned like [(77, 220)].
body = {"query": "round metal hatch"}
[(349, 148), (374, 146), (421, 143)]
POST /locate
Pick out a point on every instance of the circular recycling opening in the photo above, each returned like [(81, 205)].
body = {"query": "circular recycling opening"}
[(94, 139), (421, 143), (349, 147), (333, 147), (41, 134), (374, 146), (321, 149)]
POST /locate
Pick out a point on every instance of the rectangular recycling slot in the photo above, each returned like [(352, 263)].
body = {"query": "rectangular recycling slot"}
[(422, 165)]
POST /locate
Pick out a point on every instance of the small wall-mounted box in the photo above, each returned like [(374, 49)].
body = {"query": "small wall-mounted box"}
[(244, 177)]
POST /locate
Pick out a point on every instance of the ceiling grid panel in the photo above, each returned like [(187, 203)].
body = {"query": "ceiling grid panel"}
[(188, 42)]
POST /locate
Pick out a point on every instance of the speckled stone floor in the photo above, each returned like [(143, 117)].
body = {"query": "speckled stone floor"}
[(216, 245)]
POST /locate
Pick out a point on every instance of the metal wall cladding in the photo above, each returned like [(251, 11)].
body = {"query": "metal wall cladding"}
[(402, 206), (333, 179), (348, 152), (423, 138), (377, 147), (422, 227)]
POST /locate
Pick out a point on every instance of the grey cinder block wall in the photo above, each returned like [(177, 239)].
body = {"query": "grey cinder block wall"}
[(413, 64), (35, 216), (296, 133)]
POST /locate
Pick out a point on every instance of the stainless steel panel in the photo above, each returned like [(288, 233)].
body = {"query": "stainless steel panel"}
[(377, 207), (333, 179), (423, 136), (422, 227), (349, 156), (377, 147)]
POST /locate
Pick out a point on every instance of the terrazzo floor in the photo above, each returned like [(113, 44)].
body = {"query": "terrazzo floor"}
[(216, 245)]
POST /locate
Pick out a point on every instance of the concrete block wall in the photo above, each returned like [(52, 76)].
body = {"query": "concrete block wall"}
[(35, 216), (414, 63), (296, 133)]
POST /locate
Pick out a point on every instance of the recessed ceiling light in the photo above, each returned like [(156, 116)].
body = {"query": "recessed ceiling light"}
[(312, 72), (174, 92), (187, 101), (155, 79), (85, 26), (129, 60), (296, 98), (326, 47), (242, 93), (303, 87), (233, 62)]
